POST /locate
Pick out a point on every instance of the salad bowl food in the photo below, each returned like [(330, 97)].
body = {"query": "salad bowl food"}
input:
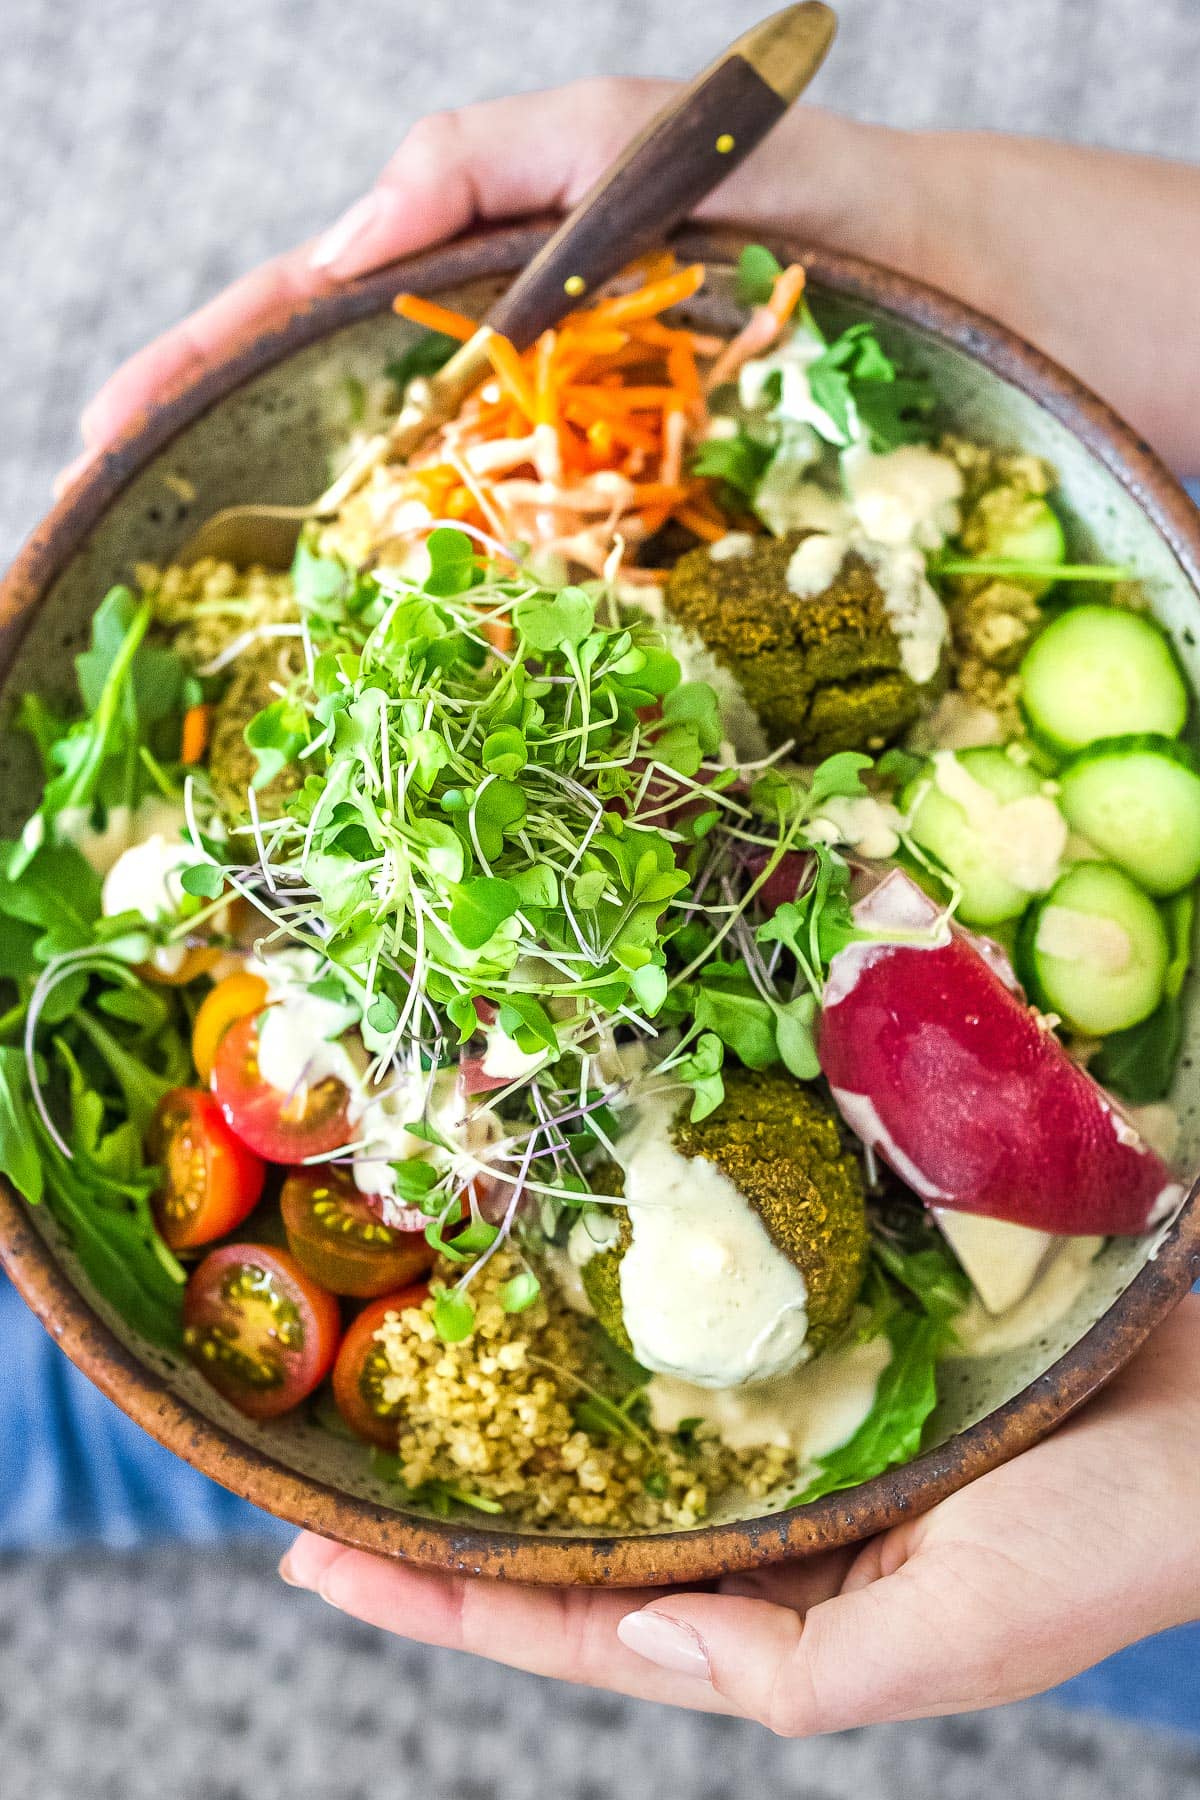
[(628, 1017)]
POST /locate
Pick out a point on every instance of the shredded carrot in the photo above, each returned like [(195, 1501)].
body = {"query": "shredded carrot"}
[(420, 311), (197, 725), (613, 391), (545, 399), (789, 285), (654, 298), (699, 522), (513, 379)]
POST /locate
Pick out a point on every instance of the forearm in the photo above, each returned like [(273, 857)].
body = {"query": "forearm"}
[(1092, 255)]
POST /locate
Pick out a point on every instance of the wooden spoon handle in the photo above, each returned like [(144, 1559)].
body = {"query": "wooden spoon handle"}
[(685, 152)]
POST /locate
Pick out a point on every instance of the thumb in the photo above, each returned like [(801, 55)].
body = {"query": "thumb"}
[(904, 1639)]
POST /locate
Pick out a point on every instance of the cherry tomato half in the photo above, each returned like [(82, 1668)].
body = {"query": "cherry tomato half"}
[(284, 1128), (223, 1005), (361, 1366), (210, 1180), (258, 1328), (334, 1233)]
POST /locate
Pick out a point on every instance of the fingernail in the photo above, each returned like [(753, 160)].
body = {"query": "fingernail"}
[(304, 1565), (287, 1572), (666, 1641), (334, 244)]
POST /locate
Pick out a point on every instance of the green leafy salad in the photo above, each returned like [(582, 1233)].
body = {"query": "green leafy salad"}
[(444, 990)]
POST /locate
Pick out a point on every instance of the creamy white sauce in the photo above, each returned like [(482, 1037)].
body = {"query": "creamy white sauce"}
[(814, 564), (705, 1294), (957, 723), (304, 1039), (298, 1046), (1025, 838), (869, 826), (145, 879), (1074, 936), (1157, 1123), (746, 739), (811, 1411), (1001, 1259), (790, 361), (917, 616), (592, 1233), (733, 544), (123, 828), (1054, 1293), (504, 1058), (905, 497)]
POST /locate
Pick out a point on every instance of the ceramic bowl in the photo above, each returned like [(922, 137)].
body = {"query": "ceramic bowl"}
[(261, 425)]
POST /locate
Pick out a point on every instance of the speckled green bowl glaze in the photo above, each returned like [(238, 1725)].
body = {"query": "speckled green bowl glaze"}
[(261, 426)]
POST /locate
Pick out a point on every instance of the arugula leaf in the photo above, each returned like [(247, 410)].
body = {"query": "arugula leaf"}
[(905, 1397), (111, 731), (857, 385), (740, 462), (757, 272), (19, 1160)]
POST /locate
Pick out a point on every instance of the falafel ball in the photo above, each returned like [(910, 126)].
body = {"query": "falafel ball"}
[(823, 670), (782, 1149)]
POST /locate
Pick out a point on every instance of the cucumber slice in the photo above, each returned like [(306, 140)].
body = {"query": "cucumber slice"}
[(1095, 951), (1007, 526), (1098, 672), (1137, 799), (970, 842)]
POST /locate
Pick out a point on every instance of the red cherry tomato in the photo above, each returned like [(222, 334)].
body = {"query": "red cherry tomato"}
[(210, 1180), (283, 1128), (361, 1366), (336, 1234), (259, 1329)]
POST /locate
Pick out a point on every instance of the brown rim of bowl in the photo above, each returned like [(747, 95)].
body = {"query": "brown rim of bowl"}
[(705, 1552)]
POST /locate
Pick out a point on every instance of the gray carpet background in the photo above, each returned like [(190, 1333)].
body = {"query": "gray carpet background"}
[(149, 151)]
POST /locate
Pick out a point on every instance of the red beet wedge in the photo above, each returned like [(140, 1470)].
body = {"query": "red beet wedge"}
[(936, 1062)]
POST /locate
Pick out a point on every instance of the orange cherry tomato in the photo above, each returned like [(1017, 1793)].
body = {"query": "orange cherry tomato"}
[(259, 1329), (230, 1000), (210, 1180), (195, 963), (333, 1232), (361, 1366), (283, 1128)]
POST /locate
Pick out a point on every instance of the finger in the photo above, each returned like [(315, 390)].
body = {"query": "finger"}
[(818, 174), (265, 294), (527, 153), (884, 1649), (570, 1633)]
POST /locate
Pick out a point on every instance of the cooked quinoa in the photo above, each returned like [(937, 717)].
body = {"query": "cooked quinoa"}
[(495, 1415), (206, 604)]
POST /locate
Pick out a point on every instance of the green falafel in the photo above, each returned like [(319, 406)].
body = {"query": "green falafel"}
[(824, 670), (781, 1148)]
